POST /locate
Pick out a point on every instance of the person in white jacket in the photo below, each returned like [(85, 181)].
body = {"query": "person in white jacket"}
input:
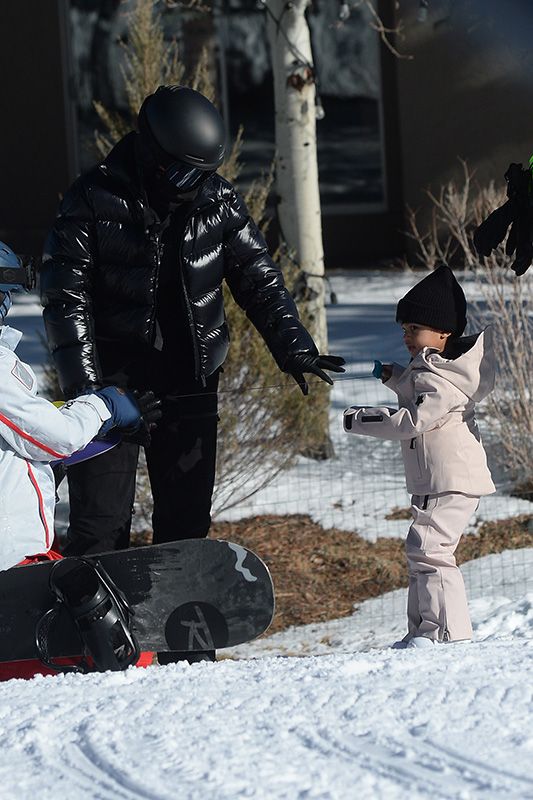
[(34, 433), (445, 463)]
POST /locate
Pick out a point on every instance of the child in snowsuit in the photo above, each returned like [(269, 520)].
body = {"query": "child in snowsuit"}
[(445, 463), (33, 433)]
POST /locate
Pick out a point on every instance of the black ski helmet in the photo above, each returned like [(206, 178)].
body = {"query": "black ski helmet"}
[(184, 126)]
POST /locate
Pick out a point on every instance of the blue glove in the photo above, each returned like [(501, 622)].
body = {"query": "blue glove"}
[(378, 369), (125, 413)]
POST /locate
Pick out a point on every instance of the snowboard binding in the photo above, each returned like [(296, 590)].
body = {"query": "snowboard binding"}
[(100, 612)]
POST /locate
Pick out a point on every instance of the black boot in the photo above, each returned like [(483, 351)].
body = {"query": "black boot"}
[(100, 612)]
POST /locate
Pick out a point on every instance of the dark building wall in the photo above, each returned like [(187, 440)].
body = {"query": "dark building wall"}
[(37, 154), (359, 238), (467, 92), (40, 147), (357, 139)]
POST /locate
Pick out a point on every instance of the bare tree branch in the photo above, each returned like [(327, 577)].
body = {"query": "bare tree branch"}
[(386, 33)]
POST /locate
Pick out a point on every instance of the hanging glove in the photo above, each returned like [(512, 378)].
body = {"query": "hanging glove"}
[(518, 213), (519, 242), (150, 408), (519, 239), (298, 363), (492, 231), (518, 184)]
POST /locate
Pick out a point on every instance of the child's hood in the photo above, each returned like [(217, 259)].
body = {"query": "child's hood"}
[(473, 372)]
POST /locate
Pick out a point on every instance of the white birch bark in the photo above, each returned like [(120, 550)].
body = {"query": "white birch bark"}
[(296, 154)]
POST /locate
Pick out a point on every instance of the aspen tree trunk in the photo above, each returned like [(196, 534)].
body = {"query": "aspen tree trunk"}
[(296, 155), (297, 179)]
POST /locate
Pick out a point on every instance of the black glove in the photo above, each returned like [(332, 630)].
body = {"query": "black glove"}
[(298, 363), (150, 408), (517, 212), (492, 231), (519, 242), (518, 184)]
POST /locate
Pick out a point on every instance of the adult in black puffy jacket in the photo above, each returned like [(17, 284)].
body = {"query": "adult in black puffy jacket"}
[(131, 283)]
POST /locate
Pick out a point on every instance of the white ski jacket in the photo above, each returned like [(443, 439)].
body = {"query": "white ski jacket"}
[(34, 432), (435, 423)]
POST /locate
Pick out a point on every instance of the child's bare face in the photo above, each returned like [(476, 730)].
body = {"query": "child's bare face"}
[(416, 337)]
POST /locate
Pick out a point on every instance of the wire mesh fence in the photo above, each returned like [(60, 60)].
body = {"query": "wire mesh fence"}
[(361, 488), (332, 529), (343, 518)]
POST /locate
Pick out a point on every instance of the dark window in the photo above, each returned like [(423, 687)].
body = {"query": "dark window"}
[(349, 137)]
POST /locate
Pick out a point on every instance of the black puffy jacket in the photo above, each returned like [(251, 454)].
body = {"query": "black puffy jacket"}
[(100, 272)]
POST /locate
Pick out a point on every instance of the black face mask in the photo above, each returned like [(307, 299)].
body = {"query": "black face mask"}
[(179, 182), (184, 177), (173, 180)]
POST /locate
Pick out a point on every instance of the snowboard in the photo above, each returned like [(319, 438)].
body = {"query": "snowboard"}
[(190, 595)]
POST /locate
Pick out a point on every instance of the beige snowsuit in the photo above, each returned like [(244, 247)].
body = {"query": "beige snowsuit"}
[(446, 473)]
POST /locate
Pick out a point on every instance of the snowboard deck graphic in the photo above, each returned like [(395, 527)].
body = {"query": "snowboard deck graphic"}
[(195, 594)]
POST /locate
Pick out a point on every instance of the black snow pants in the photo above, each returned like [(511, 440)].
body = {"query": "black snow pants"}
[(181, 466)]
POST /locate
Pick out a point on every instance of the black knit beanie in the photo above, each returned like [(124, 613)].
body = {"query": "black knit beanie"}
[(437, 301)]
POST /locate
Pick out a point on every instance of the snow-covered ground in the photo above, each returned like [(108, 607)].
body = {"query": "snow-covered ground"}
[(325, 711), (451, 723), (454, 722)]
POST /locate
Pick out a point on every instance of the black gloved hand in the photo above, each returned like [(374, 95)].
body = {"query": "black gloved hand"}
[(150, 408), (492, 231), (517, 212), (520, 243), (298, 363), (518, 184)]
